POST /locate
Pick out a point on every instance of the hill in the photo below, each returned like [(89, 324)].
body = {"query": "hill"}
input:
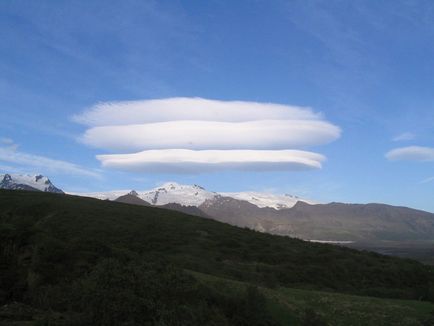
[(79, 261)]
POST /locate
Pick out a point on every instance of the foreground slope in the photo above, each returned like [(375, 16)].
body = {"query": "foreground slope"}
[(58, 250), (295, 306)]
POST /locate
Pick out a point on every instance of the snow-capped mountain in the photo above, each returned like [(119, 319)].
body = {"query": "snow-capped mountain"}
[(263, 199), (103, 195), (172, 192), (27, 182), (194, 195)]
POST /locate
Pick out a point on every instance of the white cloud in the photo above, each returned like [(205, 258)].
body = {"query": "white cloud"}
[(196, 135), (182, 108), (411, 153), (189, 161), (10, 155), (263, 134), (404, 136)]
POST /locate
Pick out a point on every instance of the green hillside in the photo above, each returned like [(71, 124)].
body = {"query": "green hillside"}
[(77, 261), (295, 306)]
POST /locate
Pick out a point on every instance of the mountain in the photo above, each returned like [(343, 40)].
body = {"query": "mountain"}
[(190, 210), (102, 195), (289, 215), (194, 195), (27, 182), (238, 212), (173, 192), (358, 222), (132, 198), (327, 222), (276, 214), (263, 199), (69, 260)]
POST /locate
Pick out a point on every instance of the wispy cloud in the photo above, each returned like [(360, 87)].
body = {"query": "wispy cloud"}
[(427, 180), (9, 154), (196, 135), (411, 153), (404, 136)]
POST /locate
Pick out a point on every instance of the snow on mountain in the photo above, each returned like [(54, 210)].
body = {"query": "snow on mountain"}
[(168, 193), (172, 192), (27, 182), (194, 195), (104, 195), (262, 199)]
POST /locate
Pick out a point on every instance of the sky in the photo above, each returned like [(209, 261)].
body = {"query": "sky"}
[(328, 100)]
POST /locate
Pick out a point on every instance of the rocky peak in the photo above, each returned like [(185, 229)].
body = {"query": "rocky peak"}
[(133, 193)]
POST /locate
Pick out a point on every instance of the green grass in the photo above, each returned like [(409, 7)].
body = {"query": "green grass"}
[(82, 258), (288, 306)]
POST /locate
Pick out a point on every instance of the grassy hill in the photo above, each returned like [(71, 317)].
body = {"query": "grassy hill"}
[(78, 261)]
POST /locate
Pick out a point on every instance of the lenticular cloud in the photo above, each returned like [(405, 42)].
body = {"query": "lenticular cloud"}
[(188, 161), (261, 134), (183, 108), (194, 135)]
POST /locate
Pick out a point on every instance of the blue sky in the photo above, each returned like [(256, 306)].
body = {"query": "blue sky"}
[(366, 66)]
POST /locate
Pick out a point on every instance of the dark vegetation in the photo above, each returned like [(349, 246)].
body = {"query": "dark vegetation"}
[(80, 261)]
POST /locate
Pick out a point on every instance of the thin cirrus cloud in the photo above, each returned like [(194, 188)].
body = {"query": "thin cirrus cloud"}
[(10, 154), (427, 180), (195, 135), (411, 153), (404, 136)]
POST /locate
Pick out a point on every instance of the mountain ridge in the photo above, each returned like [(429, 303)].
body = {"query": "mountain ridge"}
[(195, 195), (335, 222)]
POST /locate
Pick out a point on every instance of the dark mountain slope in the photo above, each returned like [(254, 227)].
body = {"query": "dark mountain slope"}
[(132, 199), (334, 221), (190, 210), (337, 221), (241, 213)]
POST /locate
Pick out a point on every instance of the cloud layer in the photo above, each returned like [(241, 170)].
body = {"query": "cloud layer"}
[(195, 135), (188, 161), (411, 153), (262, 134), (184, 108)]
